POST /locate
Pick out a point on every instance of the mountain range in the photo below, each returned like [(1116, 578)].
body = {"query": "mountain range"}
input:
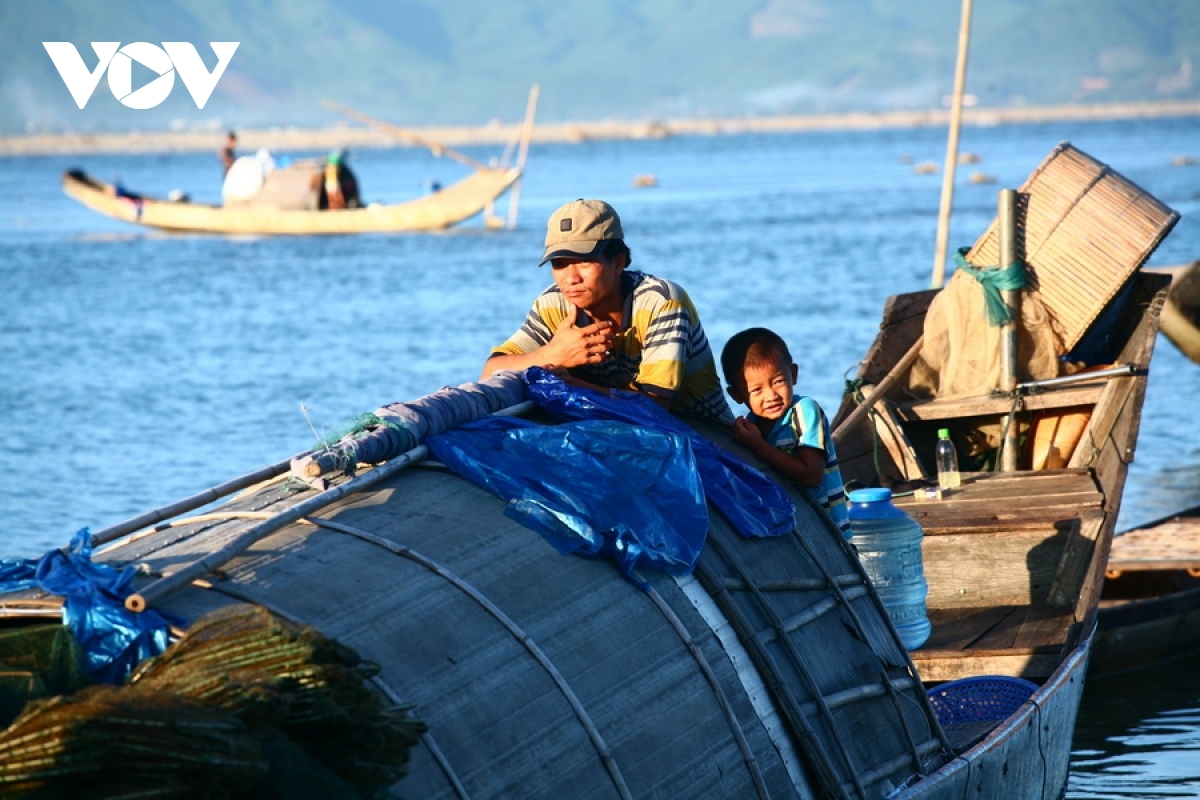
[(467, 62)]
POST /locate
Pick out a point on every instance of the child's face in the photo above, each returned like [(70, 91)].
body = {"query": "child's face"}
[(769, 388)]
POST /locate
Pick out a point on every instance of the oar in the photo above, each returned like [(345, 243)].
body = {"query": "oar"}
[(195, 501), (406, 135), (880, 390), (185, 575)]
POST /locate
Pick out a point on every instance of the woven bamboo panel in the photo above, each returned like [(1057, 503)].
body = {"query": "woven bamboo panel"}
[(1085, 230)]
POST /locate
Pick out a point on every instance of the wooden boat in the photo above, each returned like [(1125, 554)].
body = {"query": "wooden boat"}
[(442, 209), (1150, 606), (286, 203), (1181, 314), (1015, 559), (769, 671), (552, 675)]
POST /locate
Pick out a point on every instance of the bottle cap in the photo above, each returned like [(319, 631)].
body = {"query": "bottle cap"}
[(870, 495), (943, 433)]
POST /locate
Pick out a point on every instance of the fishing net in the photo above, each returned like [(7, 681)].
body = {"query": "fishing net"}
[(37, 661), (110, 742), (274, 675), (243, 705), (961, 351)]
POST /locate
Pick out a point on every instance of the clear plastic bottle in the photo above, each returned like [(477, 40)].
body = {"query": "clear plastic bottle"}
[(946, 457), (888, 542)]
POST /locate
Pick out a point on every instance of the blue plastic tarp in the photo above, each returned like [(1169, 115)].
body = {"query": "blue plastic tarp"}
[(114, 639), (754, 504), (592, 488), (621, 479)]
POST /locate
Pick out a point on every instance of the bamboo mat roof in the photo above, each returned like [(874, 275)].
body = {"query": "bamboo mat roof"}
[(1085, 230)]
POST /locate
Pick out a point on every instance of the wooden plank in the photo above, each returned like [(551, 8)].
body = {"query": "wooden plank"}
[(1170, 545), (1016, 664), (1031, 629), (991, 568), (940, 518), (959, 628), (1076, 558), (899, 448), (959, 407)]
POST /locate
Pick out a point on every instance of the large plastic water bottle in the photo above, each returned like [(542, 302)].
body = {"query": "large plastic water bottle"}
[(889, 546)]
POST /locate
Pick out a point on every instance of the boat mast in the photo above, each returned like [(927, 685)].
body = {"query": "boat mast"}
[(514, 197), (960, 79)]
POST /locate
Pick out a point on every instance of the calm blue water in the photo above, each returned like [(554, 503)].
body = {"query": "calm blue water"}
[(140, 368)]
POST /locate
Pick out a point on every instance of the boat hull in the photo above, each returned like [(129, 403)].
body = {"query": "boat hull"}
[(547, 675), (450, 206), (1150, 607)]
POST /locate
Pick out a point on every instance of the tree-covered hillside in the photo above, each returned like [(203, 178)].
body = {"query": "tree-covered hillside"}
[(419, 62)]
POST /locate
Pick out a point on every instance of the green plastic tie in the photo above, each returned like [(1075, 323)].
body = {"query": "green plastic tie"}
[(993, 280)]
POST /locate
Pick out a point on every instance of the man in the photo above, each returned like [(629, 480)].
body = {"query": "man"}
[(229, 153), (608, 326), (337, 186)]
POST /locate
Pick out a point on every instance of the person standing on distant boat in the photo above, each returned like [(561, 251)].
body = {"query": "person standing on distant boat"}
[(603, 325), (338, 186), (228, 152)]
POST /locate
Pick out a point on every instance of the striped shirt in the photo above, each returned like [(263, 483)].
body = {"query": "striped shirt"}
[(661, 348), (805, 425)]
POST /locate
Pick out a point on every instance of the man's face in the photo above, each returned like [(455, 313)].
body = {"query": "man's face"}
[(593, 285), (769, 388)]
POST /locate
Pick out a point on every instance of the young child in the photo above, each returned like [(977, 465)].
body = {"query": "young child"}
[(788, 432)]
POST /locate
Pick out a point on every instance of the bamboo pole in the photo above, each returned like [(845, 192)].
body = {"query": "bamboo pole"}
[(898, 371), (188, 504), (160, 588), (947, 201), (514, 197), (405, 134), (139, 601), (1007, 212)]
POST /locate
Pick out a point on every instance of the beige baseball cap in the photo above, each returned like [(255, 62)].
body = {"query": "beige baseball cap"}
[(579, 228)]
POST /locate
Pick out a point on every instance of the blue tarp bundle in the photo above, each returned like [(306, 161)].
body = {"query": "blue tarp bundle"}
[(113, 638), (622, 479), (754, 504)]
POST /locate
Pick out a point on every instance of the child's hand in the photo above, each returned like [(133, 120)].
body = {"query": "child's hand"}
[(746, 431)]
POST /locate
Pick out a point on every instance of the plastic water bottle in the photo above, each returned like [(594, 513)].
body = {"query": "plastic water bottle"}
[(946, 457), (889, 546)]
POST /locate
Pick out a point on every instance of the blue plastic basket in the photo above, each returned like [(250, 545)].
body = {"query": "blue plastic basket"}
[(986, 698)]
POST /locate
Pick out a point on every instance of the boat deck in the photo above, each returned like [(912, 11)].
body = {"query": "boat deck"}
[(991, 613), (1172, 543)]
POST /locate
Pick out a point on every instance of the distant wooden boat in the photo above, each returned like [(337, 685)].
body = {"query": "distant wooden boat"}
[(435, 211), (1181, 314), (286, 203), (1150, 607)]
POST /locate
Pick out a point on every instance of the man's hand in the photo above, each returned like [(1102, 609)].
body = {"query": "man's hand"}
[(575, 347), (569, 347)]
